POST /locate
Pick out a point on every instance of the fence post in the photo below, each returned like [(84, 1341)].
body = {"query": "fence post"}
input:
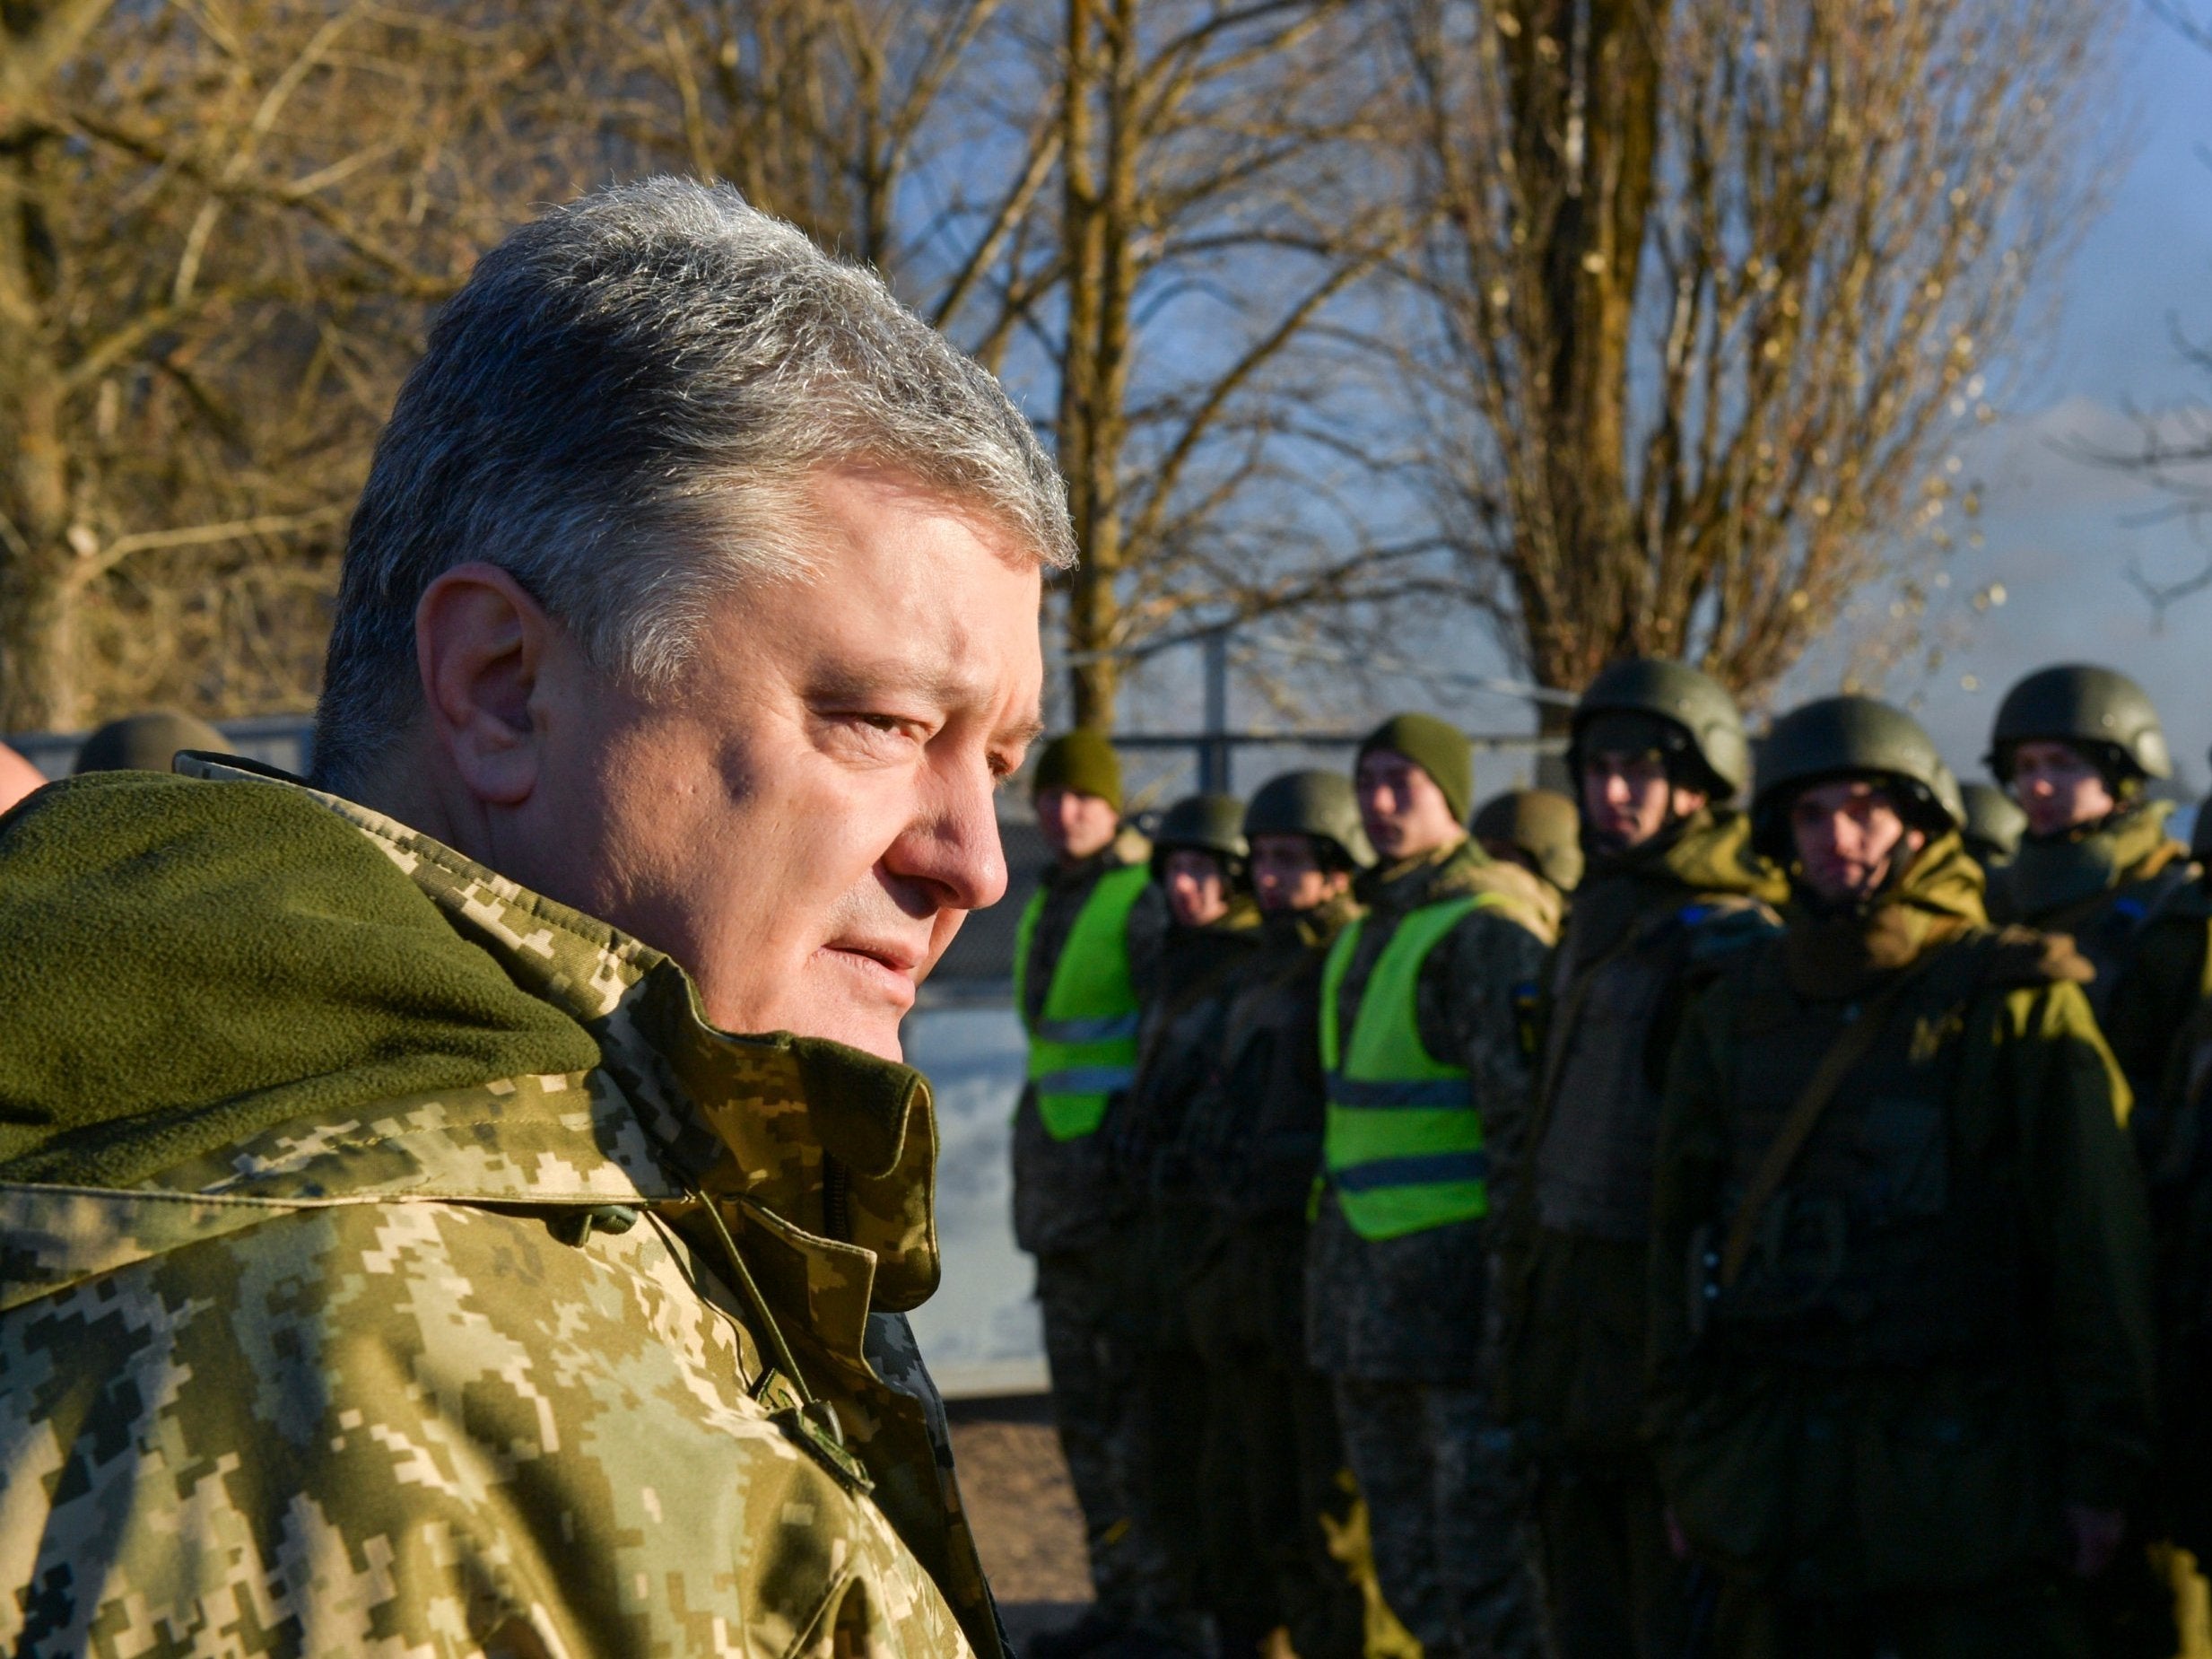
[(1213, 752)]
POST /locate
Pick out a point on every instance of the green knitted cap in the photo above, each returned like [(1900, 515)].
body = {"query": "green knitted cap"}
[(1082, 760), (1437, 746)]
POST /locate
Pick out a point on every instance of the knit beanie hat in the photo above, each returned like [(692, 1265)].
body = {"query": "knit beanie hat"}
[(1082, 760), (1437, 746)]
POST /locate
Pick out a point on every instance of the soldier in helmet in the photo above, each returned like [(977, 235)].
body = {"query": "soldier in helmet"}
[(1537, 829), (1900, 1306), (1087, 948), (1199, 860), (1427, 1012), (1994, 825), (147, 742), (1658, 752), (1274, 1457), (2077, 745)]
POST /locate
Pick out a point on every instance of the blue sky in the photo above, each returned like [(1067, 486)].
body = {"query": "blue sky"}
[(2059, 534)]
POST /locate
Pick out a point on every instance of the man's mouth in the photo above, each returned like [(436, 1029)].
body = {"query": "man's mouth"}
[(892, 966)]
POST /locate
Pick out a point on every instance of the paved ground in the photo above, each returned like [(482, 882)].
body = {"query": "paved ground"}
[(1016, 1487)]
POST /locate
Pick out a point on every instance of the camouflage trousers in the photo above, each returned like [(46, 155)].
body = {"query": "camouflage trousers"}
[(1448, 1496), (1613, 1588), (1094, 1346), (2038, 1618)]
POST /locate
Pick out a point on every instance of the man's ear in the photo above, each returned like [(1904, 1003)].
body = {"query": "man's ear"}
[(482, 645)]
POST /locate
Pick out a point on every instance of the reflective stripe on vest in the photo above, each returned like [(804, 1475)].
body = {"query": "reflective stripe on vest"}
[(1403, 1144), (1083, 1045)]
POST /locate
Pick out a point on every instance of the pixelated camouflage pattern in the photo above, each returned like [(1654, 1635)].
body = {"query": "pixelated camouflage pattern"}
[(348, 1387)]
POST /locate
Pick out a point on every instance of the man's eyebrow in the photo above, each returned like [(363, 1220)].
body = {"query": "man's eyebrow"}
[(1024, 734)]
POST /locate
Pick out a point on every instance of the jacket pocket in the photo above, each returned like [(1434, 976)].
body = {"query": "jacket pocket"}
[(1955, 1484)]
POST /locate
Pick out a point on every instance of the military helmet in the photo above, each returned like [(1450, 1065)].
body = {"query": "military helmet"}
[(1994, 822), (1318, 804), (1845, 737), (148, 742), (1543, 825), (1211, 824), (1688, 699), (2081, 704)]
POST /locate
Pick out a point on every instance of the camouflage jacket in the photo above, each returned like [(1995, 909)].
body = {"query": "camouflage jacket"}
[(1413, 1309), (1178, 1044), (519, 1366), (1255, 1132), (1069, 1194)]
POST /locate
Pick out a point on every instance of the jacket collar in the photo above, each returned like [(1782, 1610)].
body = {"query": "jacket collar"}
[(839, 1148)]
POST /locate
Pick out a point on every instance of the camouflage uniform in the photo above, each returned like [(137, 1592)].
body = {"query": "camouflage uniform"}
[(1644, 923), (1941, 1330), (1398, 1324), (471, 1370), (1274, 1468), (1071, 1211), (1177, 1046)]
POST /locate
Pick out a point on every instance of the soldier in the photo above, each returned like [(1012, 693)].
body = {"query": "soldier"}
[(1994, 825), (2076, 746), (1427, 1010), (1537, 830), (406, 1252), (1656, 751), (1198, 860), (1087, 948), (1900, 1302), (1271, 1473)]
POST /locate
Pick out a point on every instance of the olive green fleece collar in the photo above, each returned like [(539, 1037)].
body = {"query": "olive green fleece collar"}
[(836, 1142), (829, 1149), (2051, 872), (1839, 953)]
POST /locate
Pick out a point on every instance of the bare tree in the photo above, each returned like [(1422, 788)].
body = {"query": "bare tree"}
[(223, 225), (1710, 281), (1220, 193)]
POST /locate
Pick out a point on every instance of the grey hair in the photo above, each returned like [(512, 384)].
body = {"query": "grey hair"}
[(621, 409)]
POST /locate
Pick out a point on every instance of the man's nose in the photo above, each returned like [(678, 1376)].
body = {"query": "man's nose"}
[(952, 844)]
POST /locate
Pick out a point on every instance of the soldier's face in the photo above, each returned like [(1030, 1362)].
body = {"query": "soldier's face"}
[(1288, 874), (1628, 799), (2058, 787), (1849, 837), (805, 822), (1074, 824), (1197, 889), (1403, 812)]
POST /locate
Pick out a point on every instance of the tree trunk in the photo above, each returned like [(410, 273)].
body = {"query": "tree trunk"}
[(39, 667)]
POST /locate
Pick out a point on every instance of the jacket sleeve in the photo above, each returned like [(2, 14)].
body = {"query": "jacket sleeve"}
[(1477, 1001), (2089, 1237), (1689, 1168)]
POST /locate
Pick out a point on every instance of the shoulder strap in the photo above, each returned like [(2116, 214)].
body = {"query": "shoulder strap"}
[(1844, 1056)]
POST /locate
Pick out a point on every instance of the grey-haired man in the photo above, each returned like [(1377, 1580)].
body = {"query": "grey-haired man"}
[(403, 1252)]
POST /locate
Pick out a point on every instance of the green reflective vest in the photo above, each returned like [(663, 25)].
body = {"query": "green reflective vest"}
[(1404, 1143), (1083, 1046)]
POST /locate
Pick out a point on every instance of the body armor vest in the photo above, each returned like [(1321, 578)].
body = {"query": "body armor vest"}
[(1593, 1164), (2105, 928), (1889, 1244), (1083, 1045)]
